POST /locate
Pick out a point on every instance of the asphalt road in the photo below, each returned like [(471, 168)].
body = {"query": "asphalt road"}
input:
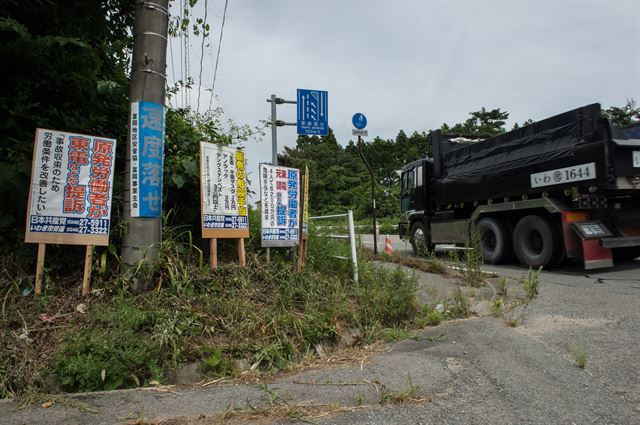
[(473, 371), (628, 271)]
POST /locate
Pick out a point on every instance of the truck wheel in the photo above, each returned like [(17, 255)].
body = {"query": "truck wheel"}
[(534, 241), (495, 240), (419, 239)]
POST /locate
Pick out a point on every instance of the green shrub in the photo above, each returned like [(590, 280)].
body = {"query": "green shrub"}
[(117, 351)]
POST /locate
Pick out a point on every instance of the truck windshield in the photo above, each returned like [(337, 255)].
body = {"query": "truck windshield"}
[(408, 181)]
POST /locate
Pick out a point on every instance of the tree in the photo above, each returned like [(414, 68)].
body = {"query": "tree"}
[(339, 179), (481, 124), (625, 115), (64, 67)]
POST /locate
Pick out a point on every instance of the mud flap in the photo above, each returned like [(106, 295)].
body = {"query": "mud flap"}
[(590, 234), (572, 242)]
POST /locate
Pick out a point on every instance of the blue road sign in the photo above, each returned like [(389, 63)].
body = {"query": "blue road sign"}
[(359, 120), (312, 112)]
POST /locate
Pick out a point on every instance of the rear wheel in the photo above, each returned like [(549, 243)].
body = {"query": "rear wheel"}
[(419, 238), (495, 239), (535, 241)]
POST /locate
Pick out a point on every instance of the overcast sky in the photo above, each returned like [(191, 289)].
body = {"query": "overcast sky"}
[(413, 65)]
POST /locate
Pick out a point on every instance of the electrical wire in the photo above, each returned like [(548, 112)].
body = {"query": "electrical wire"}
[(187, 72), (173, 69), (202, 52), (181, 36), (215, 71)]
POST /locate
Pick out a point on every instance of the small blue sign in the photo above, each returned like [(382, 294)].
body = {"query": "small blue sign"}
[(312, 112), (359, 120)]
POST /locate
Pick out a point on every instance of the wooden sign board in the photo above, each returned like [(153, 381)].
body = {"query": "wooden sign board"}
[(280, 204), (223, 192), (71, 189)]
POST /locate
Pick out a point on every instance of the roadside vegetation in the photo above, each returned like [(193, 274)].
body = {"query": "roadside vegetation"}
[(263, 318), (510, 306), (578, 351)]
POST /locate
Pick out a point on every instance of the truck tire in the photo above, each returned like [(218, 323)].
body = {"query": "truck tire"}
[(419, 239), (535, 241), (495, 240)]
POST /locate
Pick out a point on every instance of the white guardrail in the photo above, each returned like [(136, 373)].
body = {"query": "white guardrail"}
[(351, 237)]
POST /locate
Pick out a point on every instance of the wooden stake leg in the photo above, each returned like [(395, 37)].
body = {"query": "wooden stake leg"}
[(86, 278), (213, 256), (242, 260), (40, 268), (302, 254), (304, 251)]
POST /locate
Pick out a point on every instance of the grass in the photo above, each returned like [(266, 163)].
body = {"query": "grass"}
[(531, 283), (264, 315), (578, 352), (430, 264), (513, 309), (407, 395), (502, 290), (472, 270), (459, 305)]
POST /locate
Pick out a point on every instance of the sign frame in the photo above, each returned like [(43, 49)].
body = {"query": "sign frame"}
[(153, 155), (320, 125), (279, 243), (208, 233), (69, 238)]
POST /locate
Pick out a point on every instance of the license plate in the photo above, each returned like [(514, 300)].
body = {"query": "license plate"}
[(636, 159), (564, 175)]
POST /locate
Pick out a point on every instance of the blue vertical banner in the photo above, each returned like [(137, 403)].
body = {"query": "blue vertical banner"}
[(313, 118), (147, 153)]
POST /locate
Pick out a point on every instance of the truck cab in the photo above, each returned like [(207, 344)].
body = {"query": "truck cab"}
[(414, 203)]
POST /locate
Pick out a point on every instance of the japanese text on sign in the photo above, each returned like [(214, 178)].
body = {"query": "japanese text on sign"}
[(71, 186), (147, 152), (224, 187), (280, 198)]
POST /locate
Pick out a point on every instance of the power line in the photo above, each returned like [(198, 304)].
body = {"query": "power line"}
[(202, 52), (215, 71), (181, 33), (173, 69), (187, 73)]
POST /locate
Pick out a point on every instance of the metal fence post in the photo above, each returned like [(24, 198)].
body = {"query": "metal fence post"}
[(352, 242)]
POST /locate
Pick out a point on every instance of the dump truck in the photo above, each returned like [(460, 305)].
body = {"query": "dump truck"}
[(566, 187)]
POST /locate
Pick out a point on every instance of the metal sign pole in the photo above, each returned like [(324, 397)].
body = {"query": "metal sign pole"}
[(274, 143), (274, 131), (373, 196)]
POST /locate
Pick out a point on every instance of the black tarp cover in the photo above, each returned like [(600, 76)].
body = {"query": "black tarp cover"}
[(502, 165)]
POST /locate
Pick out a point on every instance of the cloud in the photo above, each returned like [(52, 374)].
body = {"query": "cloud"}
[(413, 65)]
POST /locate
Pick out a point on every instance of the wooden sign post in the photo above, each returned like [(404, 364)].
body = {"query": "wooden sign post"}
[(304, 225), (223, 194), (70, 195)]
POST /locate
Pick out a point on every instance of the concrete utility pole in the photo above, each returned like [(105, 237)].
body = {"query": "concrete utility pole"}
[(148, 82)]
